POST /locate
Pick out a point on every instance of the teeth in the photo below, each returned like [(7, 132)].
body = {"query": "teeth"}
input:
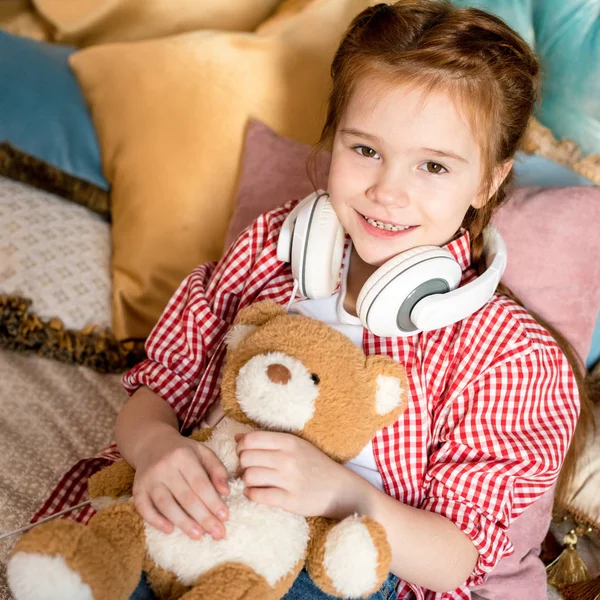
[(385, 226)]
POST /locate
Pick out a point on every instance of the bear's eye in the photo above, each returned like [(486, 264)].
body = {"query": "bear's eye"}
[(315, 378)]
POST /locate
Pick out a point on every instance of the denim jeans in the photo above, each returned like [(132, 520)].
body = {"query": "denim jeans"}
[(303, 589)]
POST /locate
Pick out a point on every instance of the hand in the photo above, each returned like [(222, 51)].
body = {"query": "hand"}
[(178, 482), (286, 471)]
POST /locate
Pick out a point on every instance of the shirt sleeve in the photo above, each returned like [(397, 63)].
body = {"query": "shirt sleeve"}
[(502, 441), (194, 322)]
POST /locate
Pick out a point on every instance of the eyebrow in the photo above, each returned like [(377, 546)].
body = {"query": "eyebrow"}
[(446, 153), (358, 133), (374, 138)]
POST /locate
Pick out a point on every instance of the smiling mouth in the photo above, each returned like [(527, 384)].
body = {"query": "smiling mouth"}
[(385, 226)]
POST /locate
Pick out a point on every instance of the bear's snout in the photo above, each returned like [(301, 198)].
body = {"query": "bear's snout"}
[(278, 373), (277, 390)]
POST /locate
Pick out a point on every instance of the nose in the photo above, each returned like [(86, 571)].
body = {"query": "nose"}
[(278, 373), (389, 189)]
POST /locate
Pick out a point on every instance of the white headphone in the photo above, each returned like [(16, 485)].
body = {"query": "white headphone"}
[(414, 291)]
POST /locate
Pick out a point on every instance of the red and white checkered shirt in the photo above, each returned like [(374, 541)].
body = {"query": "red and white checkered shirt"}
[(492, 407)]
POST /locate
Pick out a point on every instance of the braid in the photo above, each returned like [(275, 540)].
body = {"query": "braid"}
[(476, 220)]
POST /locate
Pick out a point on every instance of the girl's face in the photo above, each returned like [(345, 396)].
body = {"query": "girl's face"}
[(405, 168)]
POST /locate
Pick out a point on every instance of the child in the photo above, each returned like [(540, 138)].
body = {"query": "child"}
[(428, 106)]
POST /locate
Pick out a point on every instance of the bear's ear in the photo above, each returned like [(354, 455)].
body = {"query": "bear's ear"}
[(391, 389), (249, 319)]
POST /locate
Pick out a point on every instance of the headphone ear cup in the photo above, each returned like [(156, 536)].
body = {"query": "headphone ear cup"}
[(323, 250), (387, 298)]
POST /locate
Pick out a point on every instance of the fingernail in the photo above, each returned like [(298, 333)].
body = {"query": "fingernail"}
[(196, 531), (222, 514), (238, 436), (216, 533)]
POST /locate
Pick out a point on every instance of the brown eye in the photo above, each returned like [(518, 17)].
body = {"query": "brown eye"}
[(367, 152), (434, 167)]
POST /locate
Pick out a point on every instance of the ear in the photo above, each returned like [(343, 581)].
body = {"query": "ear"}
[(249, 319), (500, 173), (391, 389)]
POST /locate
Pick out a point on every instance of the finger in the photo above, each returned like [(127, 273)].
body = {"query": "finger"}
[(271, 459), (194, 504), (216, 471), (261, 477), (148, 512), (269, 495), (201, 500), (169, 507), (265, 440)]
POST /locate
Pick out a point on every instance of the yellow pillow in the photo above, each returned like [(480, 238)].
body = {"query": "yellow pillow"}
[(171, 116), (18, 18), (87, 22), (287, 9)]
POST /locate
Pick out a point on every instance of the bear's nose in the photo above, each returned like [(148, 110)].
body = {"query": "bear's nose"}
[(279, 373)]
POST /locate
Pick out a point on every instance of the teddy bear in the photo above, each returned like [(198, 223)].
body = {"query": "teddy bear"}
[(282, 372)]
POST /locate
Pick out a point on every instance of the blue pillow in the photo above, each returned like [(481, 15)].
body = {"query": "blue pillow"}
[(43, 112), (566, 36), (594, 355), (531, 169)]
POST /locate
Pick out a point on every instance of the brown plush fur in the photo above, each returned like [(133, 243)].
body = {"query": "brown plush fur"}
[(238, 582), (111, 551), (90, 550), (164, 584), (319, 528), (114, 481), (202, 435)]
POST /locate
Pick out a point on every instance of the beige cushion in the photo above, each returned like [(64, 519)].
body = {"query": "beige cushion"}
[(56, 254), (55, 281), (171, 116), (86, 22), (51, 415)]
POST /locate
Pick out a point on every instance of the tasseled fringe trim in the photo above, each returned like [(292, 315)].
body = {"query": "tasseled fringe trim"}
[(27, 169), (568, 573), (98, 349), (590, 590), (562, 511), (539, 140), (567, 569)]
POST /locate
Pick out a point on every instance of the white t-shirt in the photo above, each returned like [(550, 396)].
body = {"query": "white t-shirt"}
[(331, 311)]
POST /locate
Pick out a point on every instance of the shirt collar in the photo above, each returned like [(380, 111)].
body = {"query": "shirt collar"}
[(460, 248)]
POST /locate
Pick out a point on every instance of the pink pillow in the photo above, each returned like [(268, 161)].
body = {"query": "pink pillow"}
[(553, 242), (273, 172), (551, 233)]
